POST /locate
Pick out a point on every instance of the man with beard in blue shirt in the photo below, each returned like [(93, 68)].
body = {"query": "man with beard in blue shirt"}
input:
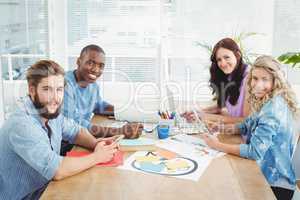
[(30, 140)]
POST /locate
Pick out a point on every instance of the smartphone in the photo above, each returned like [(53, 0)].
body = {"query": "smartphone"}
[(119, 138)]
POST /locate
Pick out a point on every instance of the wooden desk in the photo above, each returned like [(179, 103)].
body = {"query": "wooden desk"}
[(227, 177)]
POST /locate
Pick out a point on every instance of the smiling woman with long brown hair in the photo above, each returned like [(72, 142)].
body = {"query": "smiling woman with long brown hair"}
[(228, 73)]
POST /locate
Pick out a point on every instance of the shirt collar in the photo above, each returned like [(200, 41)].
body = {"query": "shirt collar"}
[(74, 79), (31, 110)]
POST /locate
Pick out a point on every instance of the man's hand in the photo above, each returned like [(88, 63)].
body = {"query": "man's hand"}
[(107, 140), (132, 130), (104, 152), (104, 132), (99, 131)]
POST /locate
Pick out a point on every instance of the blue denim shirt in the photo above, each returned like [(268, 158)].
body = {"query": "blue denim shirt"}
[(270, 141), (27, 161), (80, 103)]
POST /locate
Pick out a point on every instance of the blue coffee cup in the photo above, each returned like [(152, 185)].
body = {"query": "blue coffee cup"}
[(163, 131)]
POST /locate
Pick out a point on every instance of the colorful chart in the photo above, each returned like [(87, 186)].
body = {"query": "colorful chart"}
[(153, 162)]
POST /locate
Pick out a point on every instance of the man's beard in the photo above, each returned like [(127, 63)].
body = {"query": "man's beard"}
[(42, 109)]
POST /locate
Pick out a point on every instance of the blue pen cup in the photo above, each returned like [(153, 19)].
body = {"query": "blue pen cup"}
[(163, 131), (170, 122)]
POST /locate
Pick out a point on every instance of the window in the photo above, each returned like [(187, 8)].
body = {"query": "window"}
[(286, 27), (206, 22), (128, 31), (23, 41), (146, 41), (24, 35), (1, 98)]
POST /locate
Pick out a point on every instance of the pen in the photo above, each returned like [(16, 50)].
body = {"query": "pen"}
[(169, 117), (159, 113)]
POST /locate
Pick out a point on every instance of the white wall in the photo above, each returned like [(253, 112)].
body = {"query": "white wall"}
[(210, 21)]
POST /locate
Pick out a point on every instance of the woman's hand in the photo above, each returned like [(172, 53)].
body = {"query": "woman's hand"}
[(218, 126), (190, 116), (211, 141)]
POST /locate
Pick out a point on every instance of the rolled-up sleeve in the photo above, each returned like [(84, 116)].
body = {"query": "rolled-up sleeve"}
[(34, 148), (101, 105), (242, 128), (261, 138)]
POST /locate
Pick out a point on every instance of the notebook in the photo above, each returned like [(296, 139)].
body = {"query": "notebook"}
[(116, 161), (139, 144)]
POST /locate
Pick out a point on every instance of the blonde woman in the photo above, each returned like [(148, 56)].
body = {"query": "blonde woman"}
[(268, 131)]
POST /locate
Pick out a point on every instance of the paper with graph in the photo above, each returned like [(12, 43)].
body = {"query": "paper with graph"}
[(180, 156), (167, 164)]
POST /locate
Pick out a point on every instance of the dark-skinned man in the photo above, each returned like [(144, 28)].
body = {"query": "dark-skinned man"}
[(82, 96)]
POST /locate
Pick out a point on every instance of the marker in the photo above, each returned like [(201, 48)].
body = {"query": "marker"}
[(173, 115)]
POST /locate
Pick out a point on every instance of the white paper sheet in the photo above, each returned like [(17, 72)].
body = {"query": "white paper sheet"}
[(188, 146), (179, 167)]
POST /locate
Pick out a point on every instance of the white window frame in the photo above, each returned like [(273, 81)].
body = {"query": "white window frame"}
[(1, 96), (57, 30)]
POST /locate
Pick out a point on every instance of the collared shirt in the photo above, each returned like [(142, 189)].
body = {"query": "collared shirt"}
[(80, 103), (270, 140), (27, 161)]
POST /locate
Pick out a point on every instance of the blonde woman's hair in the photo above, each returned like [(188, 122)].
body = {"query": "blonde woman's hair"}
[(280, 85)]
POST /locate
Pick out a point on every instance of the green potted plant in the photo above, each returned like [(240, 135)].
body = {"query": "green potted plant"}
[(290, 58), (239, 38)]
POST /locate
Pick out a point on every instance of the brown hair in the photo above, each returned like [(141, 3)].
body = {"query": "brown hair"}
[(42, 69), (219, 80)]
